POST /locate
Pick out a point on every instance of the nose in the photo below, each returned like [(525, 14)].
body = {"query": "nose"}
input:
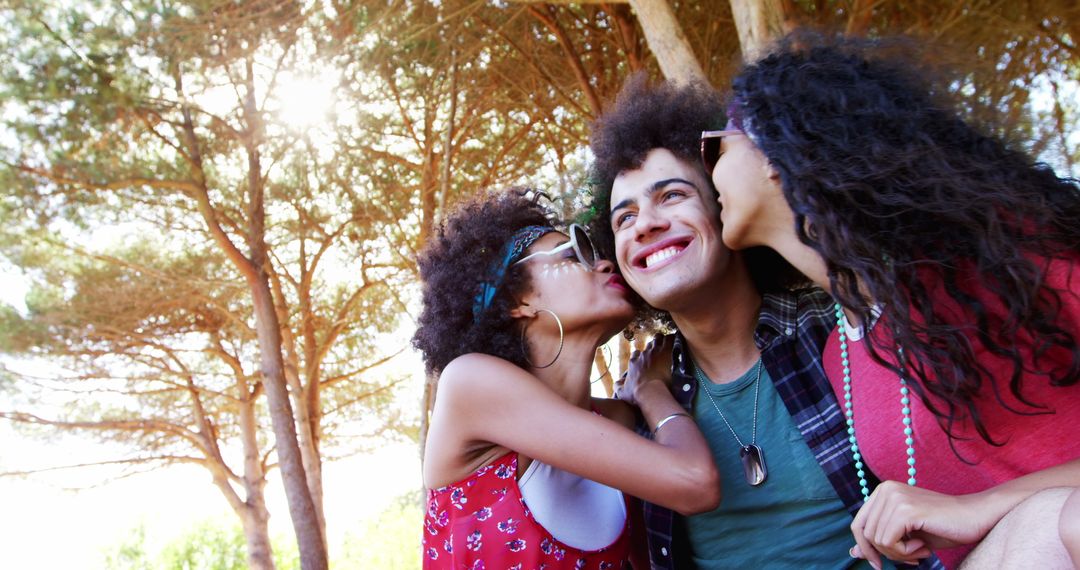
[(648, 221), (604, 266)]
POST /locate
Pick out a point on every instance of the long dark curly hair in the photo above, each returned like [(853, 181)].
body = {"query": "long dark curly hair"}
[(898, 192), (454, 263), (666, 115)]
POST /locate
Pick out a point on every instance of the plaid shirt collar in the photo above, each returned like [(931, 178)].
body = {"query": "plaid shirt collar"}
[(777, 319)]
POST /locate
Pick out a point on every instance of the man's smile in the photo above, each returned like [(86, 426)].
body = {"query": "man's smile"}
[(661, 253)]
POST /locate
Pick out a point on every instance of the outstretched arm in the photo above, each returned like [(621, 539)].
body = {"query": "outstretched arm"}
[(484, 400)]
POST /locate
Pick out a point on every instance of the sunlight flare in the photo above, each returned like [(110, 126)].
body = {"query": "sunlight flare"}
[(301, 101)]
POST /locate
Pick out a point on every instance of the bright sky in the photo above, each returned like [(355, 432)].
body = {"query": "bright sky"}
[(45, 526)]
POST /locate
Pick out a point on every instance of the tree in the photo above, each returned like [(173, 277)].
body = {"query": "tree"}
[(160, 116)]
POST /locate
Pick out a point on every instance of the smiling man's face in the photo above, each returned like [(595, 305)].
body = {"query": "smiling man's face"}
[(667, 231)]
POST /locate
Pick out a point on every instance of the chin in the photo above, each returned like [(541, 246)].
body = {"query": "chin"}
[(666, 296), (733, 240)]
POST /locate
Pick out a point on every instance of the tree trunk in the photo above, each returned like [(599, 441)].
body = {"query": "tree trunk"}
[(302, 509), (758, 22), (257, 535), (667, 41), (305, 396), (301, 505), (429, 186), (253, 513), (448, 140)]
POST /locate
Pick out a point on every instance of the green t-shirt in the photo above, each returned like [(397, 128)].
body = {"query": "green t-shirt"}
[(795, 518)]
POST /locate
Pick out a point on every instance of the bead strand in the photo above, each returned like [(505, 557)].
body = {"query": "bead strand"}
[(849, 411), (909, 434)]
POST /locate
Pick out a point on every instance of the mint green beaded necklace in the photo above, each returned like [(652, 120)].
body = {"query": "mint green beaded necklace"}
[(849, 413)]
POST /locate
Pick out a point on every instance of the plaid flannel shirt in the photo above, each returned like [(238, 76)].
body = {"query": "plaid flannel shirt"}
[(791, 333)]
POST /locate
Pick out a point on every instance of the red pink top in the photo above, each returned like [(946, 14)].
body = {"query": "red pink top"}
[(1032, 441), (482, 523)]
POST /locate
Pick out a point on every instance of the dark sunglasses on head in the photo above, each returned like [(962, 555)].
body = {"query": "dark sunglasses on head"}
[(710, 147), (579, 242)]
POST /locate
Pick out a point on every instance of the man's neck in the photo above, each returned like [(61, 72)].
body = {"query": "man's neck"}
[(719, 330)]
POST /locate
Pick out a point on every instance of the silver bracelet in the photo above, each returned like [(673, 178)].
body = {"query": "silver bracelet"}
[(661, 423)]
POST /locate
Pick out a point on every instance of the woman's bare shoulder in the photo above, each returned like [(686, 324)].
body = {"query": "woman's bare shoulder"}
[(475, 371)]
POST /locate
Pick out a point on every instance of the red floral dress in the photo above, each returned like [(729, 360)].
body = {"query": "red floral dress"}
[(482, 523)]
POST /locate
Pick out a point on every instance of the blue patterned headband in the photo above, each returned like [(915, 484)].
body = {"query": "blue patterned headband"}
[(513, 249)]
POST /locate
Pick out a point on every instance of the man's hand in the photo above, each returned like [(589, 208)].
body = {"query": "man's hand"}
[(651, 365)]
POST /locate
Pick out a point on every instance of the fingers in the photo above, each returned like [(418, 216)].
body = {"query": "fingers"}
[(892, 528), (863, 547), (883, 526), (914, 549)]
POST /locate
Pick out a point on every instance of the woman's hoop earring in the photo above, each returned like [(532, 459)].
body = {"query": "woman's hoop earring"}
[(525, 349)]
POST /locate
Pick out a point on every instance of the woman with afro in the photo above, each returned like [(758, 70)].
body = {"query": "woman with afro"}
[(953, 260), (521, 464)]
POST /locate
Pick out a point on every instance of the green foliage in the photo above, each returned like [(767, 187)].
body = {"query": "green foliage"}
[(130, 553), (390, 541), (208, 545)]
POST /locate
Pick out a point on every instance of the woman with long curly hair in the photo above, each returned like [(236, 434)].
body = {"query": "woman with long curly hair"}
[(521, 464), (953, 260)]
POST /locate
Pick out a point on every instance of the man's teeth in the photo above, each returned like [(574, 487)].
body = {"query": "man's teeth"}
[(661, 255)]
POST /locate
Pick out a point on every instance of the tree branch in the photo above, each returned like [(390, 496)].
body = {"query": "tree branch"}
[(145, 425), (342, 377), (181, 185), (549, 19), (167, 459)]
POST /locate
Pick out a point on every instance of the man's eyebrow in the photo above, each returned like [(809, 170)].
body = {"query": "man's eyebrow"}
[(661, 184), (656, 187), (620, 206)]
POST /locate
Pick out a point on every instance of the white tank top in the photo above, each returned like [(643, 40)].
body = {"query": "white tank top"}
[(577, 511)]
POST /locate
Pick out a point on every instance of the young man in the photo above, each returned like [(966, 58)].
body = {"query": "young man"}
[(746, 361)]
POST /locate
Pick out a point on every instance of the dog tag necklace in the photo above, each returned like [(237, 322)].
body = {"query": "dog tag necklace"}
[(753, 460)]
